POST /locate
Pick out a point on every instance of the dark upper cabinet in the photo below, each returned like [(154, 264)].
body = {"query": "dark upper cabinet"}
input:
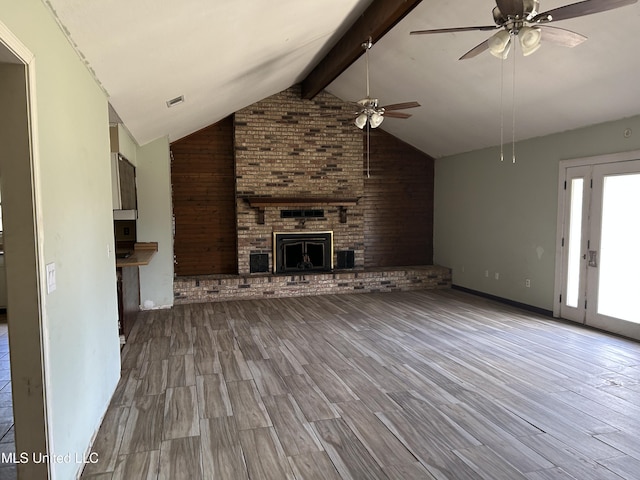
[(123, 183)]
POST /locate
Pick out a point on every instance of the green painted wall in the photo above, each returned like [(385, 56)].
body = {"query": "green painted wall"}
[(153, 176), (501, 217), (154, 223), (75, 228), (127, 145)]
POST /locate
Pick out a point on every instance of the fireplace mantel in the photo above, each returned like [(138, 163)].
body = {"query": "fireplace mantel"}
[(261, 203)]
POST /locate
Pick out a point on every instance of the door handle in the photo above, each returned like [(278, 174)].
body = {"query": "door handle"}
[(593, 258)]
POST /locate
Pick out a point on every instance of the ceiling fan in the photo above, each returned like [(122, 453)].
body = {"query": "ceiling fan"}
[(370, 113), (520, 18)]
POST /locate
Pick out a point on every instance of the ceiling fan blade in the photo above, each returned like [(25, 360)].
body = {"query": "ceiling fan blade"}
[(475, 51), (586, 7), (561, 36), (400, 106), (451, 30), (511, 8), (396, 115)]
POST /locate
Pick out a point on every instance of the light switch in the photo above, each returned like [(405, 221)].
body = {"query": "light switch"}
[(51, 277)]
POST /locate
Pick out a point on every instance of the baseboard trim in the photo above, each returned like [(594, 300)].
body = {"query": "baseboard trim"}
[(513, 303)]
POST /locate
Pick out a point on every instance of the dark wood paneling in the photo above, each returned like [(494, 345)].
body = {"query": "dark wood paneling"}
[(127, 174), (203, 184), (398, 204)]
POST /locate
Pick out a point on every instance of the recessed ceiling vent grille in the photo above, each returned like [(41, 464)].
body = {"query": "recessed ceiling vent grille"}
[(175, 101), (301, 213)]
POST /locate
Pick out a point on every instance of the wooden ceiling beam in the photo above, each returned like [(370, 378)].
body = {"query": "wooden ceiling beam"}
[(380, 17)]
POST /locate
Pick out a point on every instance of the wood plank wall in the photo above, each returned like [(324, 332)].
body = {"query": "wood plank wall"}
[(203, 182), (398, 223)]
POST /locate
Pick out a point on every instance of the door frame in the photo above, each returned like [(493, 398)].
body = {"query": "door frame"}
[(24, 260), (562, 169), (577, 313)]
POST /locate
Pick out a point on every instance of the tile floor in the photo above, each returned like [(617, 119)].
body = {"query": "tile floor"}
[(7, 442), (396, 386)]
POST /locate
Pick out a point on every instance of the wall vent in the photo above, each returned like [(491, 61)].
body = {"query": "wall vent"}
[(175, 101), (346, 259), (258, 262), (301, 213)]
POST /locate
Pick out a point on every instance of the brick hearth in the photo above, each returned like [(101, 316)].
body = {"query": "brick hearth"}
[(212, 288)]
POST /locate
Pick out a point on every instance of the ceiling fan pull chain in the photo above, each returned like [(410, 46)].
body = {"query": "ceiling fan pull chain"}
[(501, 110), (513, 109), (368, 148), (366, 59)]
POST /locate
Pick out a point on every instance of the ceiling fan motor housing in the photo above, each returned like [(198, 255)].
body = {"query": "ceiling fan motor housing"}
[(530, 10)]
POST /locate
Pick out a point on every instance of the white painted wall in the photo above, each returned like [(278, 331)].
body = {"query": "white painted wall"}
[(153, 175), (73, 198), (501, 217)]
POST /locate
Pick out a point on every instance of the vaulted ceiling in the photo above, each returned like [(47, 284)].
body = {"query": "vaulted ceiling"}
[(223, 55)]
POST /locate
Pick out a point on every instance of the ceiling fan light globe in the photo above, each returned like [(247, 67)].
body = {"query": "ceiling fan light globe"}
[(529, 39), (528, 51), (361, 120), (500, 44), (375, 120), (504, 54)]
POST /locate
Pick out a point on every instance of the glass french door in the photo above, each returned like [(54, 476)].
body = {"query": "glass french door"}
[(600, 247)]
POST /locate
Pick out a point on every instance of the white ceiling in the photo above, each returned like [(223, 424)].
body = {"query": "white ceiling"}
[(223, 55)]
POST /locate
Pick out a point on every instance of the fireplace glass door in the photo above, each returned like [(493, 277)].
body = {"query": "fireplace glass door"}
[(300, 252)]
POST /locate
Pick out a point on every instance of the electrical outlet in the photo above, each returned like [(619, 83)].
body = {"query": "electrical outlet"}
[(51, 277), (527, 283), (486, 273), (497, 276)]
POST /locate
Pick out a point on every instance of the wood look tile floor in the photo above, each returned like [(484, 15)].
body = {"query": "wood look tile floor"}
[(404, 385), (7, 430)]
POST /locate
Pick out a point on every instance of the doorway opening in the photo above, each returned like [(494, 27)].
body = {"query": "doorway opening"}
[(598, 235), (22, 252)]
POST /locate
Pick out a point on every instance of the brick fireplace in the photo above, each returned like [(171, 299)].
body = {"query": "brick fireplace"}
[(294, 154), (299, 170)]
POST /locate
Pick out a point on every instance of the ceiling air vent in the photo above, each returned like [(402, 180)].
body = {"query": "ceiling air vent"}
[(175, 101)]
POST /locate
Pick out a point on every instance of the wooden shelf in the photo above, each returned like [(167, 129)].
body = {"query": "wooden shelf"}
[(142, 255), (307, 201), (261, 203)]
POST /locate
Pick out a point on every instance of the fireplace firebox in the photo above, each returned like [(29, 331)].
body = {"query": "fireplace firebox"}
[(302, 252)]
